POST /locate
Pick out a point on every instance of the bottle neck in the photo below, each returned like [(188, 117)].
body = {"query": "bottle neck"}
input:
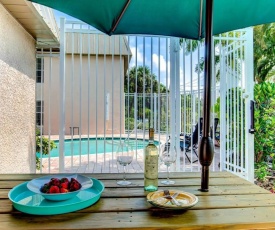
[(151, 136)]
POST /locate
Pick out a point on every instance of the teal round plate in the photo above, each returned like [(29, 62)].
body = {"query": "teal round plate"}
[(29, 202)]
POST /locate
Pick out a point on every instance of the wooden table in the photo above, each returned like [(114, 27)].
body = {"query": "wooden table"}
[(231, 203)]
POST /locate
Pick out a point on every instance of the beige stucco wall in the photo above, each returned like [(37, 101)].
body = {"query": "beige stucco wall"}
[(17, 97), (88, 92)]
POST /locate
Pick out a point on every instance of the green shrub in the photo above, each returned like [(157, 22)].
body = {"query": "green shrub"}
[(44, 146), (129, 123), (264, 139), (261, 171)]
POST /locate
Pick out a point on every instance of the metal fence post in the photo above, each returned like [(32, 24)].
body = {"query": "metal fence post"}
[(249, 86), (62, 95)]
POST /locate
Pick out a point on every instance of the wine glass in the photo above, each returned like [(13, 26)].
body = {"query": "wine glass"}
[(168, 156), (124, 157)]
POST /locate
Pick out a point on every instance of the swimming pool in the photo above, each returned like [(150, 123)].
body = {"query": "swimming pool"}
[(93, 145)]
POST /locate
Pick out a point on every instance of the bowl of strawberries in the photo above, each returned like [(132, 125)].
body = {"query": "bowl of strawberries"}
[(59, 187)]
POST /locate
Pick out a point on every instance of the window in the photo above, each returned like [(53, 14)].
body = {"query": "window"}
[(39, 70), (39, 113)]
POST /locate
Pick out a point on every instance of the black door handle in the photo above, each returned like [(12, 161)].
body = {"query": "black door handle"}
[(252, 105)]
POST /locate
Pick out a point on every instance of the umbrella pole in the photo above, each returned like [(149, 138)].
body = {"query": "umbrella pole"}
[(206, 149)]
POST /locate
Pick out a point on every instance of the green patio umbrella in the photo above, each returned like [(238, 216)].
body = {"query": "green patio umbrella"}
[(179, 18), (194, 19)]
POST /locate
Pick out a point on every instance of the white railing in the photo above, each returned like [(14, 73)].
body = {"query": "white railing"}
[(100, 109), (237, 91)]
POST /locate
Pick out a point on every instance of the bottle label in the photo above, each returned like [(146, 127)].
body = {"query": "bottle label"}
[(151, 167)]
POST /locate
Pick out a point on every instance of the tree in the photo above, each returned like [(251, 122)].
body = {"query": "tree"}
[(141, 77), (192, 45), (264, 52), (141, 80)]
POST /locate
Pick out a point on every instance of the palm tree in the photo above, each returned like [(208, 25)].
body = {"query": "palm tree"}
[(141, 78), (264, 52), (192, 45)]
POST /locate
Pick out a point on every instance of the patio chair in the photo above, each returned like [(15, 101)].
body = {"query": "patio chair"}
[(216, 133), (190, 142)]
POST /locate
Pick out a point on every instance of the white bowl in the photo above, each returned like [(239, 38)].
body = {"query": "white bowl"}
[(36, 184)]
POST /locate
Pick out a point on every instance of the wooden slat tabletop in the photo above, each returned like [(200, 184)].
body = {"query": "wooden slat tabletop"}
[(231, 203)]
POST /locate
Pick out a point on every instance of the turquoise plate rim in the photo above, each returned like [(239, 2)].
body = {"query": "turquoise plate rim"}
[(54, 207)]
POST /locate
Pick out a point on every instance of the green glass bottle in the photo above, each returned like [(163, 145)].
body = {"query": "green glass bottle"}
[(151, 164)]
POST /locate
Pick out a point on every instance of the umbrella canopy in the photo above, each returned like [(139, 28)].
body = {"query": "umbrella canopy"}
[(192, 19), (178, 18)]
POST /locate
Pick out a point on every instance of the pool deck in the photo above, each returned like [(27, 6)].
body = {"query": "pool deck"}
[(105, 163)]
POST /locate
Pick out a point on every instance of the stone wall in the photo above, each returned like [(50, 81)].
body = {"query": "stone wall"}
[(17, 97)]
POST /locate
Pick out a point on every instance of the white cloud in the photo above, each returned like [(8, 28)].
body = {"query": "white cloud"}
[(137, 57), (160, 60), (160, 64)]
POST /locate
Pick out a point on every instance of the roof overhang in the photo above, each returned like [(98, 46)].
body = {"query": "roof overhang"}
[(42, 28)]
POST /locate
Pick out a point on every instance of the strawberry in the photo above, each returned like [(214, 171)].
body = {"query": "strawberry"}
[(64, 190), (54, 189), (60, 186), (55, 181), (74, 185), (64, 180), (64, 185)]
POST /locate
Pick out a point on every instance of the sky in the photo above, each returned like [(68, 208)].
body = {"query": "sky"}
[(154, 53), (59, 15)]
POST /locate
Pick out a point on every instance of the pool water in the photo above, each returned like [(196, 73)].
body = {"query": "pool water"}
[(75, 146)]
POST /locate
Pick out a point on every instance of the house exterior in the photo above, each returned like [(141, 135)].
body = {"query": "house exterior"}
[(22, 30), (94, 83), (29, 82)]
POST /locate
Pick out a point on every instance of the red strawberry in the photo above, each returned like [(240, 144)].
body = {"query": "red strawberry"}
[(64, 185), (64, 190), (64, 180), (55, 181), (74, 185), (54, 189)]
